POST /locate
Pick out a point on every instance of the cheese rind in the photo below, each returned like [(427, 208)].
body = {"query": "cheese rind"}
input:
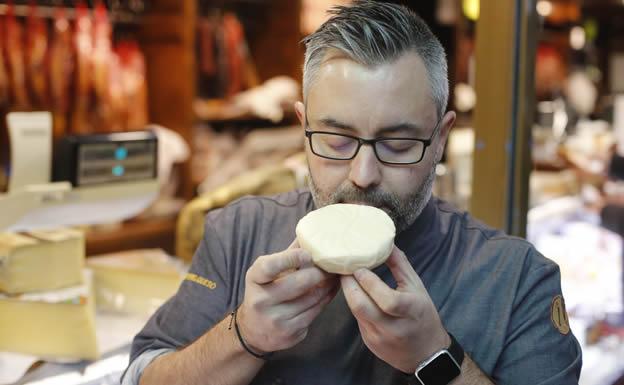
[(41, 261), (135, 282), (345, 237), (57, 324)]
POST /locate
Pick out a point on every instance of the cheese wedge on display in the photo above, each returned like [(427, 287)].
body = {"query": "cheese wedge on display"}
[(41, 260), (57, 325), (136, 281), (345, 237)]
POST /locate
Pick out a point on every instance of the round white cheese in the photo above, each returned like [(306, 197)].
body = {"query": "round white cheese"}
[(345, 237)]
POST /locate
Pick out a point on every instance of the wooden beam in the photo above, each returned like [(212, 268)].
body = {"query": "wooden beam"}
[(505, 61), (492, 117), (168, 40)]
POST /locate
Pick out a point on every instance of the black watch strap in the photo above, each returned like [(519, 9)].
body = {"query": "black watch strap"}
[(456, 350)]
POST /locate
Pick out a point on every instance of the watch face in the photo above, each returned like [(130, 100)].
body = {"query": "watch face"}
[(440, 371)]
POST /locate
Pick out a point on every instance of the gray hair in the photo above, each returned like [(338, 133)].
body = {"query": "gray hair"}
[(374, 33)]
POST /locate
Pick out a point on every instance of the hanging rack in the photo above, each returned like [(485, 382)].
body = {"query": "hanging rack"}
[(116, 16)]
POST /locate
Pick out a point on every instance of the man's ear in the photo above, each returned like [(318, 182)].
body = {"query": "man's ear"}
[(300, 111), (448, 121)]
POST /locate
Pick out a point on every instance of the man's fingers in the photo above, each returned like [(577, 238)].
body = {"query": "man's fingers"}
[(310, 299), (361, 305), (294, 244), (268, 267), (296, 283), (305, 318), (390, 301), (403, 272)]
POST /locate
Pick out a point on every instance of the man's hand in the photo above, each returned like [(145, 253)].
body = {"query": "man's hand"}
[(284, 293), (400, 326)]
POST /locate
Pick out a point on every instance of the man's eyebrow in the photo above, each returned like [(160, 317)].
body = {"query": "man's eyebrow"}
[(401, 127), (330, 122)]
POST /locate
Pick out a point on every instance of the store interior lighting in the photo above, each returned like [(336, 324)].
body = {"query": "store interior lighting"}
[(545, 8), (577, 38), (471, 9)]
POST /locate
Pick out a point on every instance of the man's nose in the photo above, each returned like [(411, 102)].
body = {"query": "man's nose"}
[(365, 168)]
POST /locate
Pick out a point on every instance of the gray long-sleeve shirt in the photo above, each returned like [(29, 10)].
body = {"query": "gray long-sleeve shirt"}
[(496, 294)]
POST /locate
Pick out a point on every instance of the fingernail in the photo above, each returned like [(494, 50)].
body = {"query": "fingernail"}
[(359, 274)]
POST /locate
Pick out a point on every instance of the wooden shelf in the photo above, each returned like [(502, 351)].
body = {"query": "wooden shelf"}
[(219, 110), (136, 234)]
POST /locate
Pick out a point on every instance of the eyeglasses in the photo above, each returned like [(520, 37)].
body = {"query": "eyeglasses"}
[(397, 151)]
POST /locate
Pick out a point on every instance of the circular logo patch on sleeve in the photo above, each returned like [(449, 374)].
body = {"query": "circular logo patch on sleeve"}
[(559, 316)]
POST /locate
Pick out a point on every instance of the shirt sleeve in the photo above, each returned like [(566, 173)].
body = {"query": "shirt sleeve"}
[(203, 299), (540, 348), (132, 375)]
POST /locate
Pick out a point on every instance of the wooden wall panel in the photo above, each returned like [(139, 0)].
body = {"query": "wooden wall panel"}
[(493, 112), (274, 39), (168, 40), (505, 63)]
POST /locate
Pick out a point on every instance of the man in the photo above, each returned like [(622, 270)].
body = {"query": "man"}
[(257, 311)]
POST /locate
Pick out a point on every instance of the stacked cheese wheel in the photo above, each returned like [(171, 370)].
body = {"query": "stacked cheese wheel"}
[(345, 237)]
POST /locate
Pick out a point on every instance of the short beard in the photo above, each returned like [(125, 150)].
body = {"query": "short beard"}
[(403, 211)]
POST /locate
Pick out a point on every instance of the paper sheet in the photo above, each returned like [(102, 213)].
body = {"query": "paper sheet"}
[(114, 330), (13, 366)]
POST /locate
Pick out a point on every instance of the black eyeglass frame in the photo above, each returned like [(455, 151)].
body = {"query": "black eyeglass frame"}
[(373, 143)]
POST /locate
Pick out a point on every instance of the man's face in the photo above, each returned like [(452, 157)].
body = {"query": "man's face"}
[(353, 99)]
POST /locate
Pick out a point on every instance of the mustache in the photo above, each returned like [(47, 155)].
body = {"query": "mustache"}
[(372, 197)]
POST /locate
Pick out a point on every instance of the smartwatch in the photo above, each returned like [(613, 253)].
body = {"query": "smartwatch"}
[(441, 368)]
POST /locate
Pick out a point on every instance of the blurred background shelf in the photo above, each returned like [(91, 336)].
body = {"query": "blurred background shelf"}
[(134, 234)]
